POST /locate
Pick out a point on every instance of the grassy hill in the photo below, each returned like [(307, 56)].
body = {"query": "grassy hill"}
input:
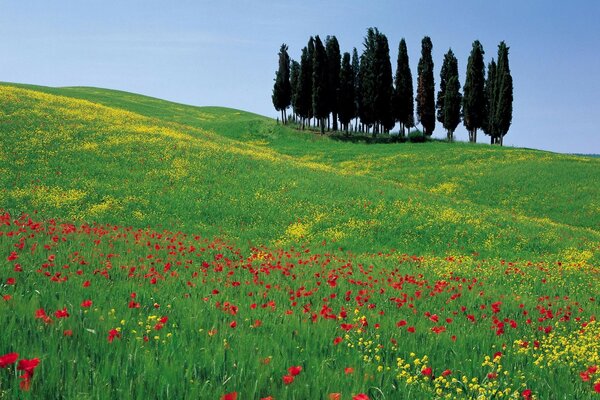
[(153, 248), (103, 155)]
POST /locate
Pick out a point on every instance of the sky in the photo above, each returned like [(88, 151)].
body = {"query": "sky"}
[(224, 52)]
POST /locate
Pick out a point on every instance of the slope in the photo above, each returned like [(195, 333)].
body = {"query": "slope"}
[(239, 176)]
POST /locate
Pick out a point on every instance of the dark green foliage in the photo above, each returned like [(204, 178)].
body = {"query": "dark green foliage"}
[(366, 78), (474, 99), (304, 92), (282, 90), (403, 102), (333, 71), (385, 88), (346, 104), (355, 71), (320, 83), (490, 102), (294, 79), (503, 94), (449, 98), (426, 88), (375, 76)]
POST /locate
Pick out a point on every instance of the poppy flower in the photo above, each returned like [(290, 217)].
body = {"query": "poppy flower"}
[(526, 394), (597, 387), (337, 340), (427, 371), (335, 396), (267, 398), (348, 370), (233, 324), (229, 396), (8, 359), (295, 370), (112, 334), (446, 372), (27, 366), (68, 332), (360, 396), (86, 303), (10, 281), (411, 329), (288, 379), (61, 313)]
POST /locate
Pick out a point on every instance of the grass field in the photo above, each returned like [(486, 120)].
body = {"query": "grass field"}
[(204, 251)]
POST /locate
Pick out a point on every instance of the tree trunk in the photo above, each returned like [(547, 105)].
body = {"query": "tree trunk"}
[(322, 126), (335, 124), (501, 140)]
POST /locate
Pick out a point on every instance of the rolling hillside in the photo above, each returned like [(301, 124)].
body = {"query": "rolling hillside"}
[(101, 155)]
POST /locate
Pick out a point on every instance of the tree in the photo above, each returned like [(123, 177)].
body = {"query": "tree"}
[(426, 88), (355, 71), (367, 80), (474, 115), (282, 90), (449, 98), (403, 102), (503, 89), (347, 106), (383, 84), (294, 79), (333, 71), (320, 83), (490, 127), (304, 91)]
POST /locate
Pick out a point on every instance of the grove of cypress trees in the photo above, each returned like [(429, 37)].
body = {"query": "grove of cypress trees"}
[(474, 101), (403, 102), (346, 104), (320, 83), (294, 79), (282, 90), (426, 88), (503, 89), (449, 98), (333, 72)]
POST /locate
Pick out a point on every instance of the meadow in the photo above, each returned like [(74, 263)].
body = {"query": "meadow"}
[(149, 248)]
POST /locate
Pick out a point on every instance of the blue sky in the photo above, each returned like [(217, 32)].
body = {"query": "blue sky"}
[(224, 52)]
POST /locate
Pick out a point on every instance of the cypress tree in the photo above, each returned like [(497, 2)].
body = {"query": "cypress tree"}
[(426, 88), (383, 84), (474, 92), (304, 92), (503, 89), (347, 106), (489, 126), (282, 90), (367, 80), (294, 79), (403, 104), (333, 70), (355, 71), (320, 83), (449, 98)]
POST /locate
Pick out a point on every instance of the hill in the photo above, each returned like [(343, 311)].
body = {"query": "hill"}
[(148, 247), (102, 155)]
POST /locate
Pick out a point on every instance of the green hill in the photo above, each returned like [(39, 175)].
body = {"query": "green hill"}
[(102, 155)]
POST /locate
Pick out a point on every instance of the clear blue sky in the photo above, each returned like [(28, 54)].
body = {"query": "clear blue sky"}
[(224, 52)]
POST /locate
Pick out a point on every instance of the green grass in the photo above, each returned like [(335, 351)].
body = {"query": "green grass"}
[(172, 202)]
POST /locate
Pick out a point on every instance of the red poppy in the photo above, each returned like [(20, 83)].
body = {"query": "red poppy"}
[(86, 303), (233, 324), (287, 379), (61, 313), (8, 359), (360, 396), (229, 396), (86, 284), (10, 281), (337, 340), (7, 297), (335, 396), (112, 334), (446, 372), (348, 370), (411, 329), (267, 398), (427, 371), (295, 370), (68, 332), (27, 366), (597, 387), (526, 394)]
